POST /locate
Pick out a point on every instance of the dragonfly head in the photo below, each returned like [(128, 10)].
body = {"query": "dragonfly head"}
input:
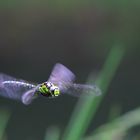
[(48, 89)]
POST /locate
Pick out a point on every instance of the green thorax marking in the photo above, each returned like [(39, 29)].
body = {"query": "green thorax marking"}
[(43, 89), (48, 89)]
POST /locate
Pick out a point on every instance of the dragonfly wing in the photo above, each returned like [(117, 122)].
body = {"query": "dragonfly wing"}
[(61, 76), (4, 77), (28, 96), (13, 89), (78, 89)]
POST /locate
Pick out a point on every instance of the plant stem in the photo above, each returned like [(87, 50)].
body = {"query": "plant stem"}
[(87, 105)]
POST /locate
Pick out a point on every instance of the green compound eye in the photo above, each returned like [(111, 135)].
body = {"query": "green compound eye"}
[(56, 92), (49, 90)]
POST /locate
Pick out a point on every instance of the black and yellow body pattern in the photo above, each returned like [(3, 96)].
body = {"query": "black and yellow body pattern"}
[(48, 89)]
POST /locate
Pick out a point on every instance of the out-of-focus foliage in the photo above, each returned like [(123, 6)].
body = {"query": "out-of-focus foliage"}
[(36, 34), (52, 133), (4, 117), (100, 21), (118, 128), (87, 106)]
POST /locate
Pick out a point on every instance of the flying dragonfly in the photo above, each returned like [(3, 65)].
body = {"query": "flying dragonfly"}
[(61, 81)]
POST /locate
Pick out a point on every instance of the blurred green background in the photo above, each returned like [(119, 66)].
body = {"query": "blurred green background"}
[(34, 35)]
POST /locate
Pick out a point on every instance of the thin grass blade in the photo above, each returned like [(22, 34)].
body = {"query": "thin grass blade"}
[(87, 106), (4, 117), (52, 133), (117, 127)]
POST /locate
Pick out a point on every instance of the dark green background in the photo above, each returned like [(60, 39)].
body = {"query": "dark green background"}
[(34, 35)]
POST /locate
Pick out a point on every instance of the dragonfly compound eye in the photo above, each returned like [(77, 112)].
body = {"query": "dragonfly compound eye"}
[(48, 89), (55, 90)]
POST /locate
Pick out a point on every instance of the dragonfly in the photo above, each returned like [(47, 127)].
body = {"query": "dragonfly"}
[(61, 81)]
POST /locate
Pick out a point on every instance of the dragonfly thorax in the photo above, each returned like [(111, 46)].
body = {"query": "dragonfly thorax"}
[(48, 89)]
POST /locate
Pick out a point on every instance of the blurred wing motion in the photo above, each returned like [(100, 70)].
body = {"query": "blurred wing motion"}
[(12, 88), (64, 79), (29, 96), (78, 89), (61, 76)]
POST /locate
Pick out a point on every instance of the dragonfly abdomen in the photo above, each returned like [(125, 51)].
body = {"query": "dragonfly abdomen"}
[(20, 83)]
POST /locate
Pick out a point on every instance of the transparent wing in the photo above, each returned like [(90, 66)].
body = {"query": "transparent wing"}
[(78, 89), (4, 77), (61, 76), (28, 96), (12, 88)]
